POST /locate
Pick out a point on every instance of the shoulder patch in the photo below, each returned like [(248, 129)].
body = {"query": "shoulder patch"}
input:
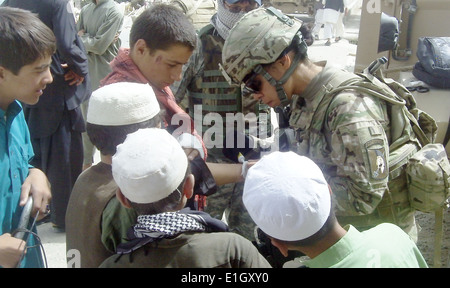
[(377, 159)]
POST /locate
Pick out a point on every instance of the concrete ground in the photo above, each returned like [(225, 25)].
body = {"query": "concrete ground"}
[(54, 244)]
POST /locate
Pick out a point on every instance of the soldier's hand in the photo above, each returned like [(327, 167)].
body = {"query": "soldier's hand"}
[(245, 166)]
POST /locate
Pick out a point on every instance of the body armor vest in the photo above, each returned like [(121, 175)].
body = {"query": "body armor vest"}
[(213, 92), (199, 12)]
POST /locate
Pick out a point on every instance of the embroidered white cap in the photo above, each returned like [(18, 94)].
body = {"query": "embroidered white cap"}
[(122, 103), (149, 165), (287, 196)]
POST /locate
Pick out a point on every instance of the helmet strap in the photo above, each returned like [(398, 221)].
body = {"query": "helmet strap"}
[(279, 84)]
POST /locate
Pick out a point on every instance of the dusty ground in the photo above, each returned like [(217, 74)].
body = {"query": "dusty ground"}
[(426, 238)]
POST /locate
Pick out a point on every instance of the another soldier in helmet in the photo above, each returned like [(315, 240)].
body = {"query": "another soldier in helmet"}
[(349, 138), (204, 91)]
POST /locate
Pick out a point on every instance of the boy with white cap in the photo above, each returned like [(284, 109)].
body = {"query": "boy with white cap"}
[(289, 199), (153, 175), (114, 111)]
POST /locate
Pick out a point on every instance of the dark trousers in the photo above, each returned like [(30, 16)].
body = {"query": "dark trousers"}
[(60, 157)]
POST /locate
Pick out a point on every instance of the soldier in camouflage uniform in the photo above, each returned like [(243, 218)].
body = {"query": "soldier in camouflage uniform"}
[(349, 138), (204, 87), (199, 12)]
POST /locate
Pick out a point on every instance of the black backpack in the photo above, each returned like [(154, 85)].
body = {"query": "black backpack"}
[(433, 66)]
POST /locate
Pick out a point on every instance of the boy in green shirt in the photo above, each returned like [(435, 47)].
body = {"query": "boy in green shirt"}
[(289, 199)]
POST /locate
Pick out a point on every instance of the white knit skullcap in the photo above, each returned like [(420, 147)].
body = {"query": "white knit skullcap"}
[(149, 165), (122, 103), (287, 196)]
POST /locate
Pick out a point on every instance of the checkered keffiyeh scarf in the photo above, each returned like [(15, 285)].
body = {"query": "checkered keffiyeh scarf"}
[(166, 224), (151, 228)]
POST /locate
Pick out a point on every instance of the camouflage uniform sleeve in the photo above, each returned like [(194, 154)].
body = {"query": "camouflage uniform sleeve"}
[(359, 153)]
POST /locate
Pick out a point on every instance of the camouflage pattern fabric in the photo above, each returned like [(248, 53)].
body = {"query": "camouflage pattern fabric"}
[(206, 87), (429, 178), (209, 88), (218, 202), (353, 152), (227, 203), (199, 12), (362, 136), (243, 51), (349, 137)]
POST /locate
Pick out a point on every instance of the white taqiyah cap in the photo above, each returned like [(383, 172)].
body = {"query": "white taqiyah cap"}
[(287, 196), (149, 165), (122, 103)]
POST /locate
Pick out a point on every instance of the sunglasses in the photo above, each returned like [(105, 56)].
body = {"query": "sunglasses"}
[(240, 6), (251, 84)]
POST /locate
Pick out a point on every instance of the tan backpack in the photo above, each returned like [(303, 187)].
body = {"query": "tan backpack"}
[(427, 168)]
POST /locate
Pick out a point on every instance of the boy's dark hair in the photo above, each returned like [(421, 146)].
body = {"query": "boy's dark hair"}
[(162, 26), (24, 39), (106, 138)]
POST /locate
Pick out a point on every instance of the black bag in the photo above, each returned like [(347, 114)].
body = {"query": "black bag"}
[(433, 67)]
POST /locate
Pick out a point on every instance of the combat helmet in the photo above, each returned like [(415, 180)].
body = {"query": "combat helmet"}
[(258, 38)]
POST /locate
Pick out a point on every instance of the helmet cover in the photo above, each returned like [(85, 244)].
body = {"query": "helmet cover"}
[(259, 37)]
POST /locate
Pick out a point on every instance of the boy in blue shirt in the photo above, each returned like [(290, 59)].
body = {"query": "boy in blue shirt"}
[(26, 47)]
